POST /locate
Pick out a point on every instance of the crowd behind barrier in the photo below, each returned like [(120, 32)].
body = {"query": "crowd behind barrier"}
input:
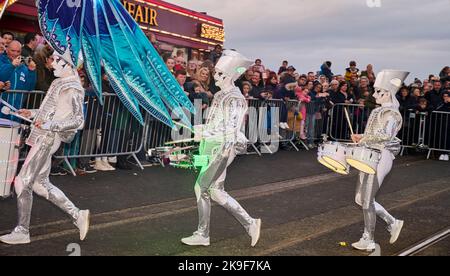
[(110, 130), (296, 109)]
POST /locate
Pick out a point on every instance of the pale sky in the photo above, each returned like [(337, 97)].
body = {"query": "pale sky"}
[(412, 35)]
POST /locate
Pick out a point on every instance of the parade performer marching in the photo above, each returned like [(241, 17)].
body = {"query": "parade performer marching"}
[(57, 121), (381, 134), (221, 140), (105, 35)]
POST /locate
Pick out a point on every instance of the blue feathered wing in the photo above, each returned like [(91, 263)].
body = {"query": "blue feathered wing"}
[(105, 35)]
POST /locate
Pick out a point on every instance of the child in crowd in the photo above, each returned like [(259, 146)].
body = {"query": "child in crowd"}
[(304, 98), (200, 94), (246, 88)]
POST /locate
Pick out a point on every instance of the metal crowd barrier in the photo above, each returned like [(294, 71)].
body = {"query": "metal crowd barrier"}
[(156, 134), (412, 133), (263, 121), (438, 132), (294, 122), (251, 124), (316, 122), (109, 131), (338, 126)]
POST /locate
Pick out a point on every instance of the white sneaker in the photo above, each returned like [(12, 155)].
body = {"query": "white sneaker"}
[(108, 166), (17, 236), (83, 223), (255, 231), (446, 157), (365, 244), (103, 166), (196, 240), (396, 228), (99, 166), (442, 157)]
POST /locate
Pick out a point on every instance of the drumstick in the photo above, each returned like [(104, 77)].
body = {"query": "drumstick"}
[(8, 105), (179, 149), (348, 121), (7, 111), (180, 141)]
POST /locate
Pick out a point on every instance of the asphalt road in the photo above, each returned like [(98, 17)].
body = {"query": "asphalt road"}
[(306, 210)]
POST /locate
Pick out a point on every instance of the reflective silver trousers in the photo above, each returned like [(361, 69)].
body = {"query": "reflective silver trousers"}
[(34, 177), (210, 185), (366, 191)]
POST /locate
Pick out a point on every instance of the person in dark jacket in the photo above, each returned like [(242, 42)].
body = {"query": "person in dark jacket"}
[(325, 70), (216, 54), (445, 107), (434, 97), (257, 85), (283, 67), (30, 45), (406, 100)]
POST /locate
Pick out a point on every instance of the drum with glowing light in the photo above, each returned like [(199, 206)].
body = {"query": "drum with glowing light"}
[(332, 156), (363, 159), (9, 154)]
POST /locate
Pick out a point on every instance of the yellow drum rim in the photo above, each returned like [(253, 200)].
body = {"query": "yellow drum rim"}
[(336, 164), (331, 167), (361, 166)]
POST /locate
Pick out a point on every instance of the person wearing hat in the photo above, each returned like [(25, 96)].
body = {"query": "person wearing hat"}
[(221, 139), (325, 70), (57, 121), (381, 135), (291, 71)]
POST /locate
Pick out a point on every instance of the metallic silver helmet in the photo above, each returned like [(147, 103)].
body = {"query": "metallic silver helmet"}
[(233, 64), (389, 81)]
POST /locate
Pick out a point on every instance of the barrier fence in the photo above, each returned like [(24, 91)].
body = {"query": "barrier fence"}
[(110, 130), (438, 132)]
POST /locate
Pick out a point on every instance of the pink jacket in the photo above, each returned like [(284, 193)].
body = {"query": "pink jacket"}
[(304, 100)]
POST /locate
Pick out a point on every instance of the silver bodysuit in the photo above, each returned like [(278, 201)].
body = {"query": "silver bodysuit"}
[(381, 134), (222, 138), (62, 115)]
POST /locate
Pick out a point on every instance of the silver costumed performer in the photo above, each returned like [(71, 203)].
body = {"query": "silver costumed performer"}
[(221, 139), (381, 134), (59, 118)]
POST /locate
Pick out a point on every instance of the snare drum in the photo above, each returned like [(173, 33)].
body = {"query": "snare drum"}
[(332, 156), (364, 159), (9, 154)]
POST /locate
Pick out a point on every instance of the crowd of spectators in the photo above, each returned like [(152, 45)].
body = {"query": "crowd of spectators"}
[(27, 67)]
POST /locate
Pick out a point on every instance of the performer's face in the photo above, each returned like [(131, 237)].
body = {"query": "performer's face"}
[(61, 67), (382, 96), (220, 78)]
